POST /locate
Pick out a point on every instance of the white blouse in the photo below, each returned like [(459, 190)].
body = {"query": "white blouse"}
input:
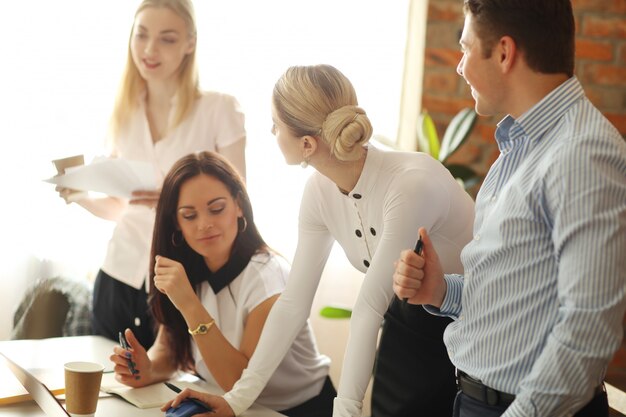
[(216, 121), (397, 193), (303, 370)]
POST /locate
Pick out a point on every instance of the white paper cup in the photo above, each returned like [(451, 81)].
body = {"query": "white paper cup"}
[(82, 388)]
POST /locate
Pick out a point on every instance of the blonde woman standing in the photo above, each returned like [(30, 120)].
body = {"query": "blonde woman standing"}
[(160, 115), (372, 203)]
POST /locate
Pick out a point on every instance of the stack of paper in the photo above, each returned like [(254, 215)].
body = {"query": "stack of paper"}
[(112, 176)]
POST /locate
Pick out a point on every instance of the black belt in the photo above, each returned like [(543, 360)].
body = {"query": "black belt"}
[(477, 390)]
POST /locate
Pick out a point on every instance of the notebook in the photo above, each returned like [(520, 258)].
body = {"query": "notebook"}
[(37, 390), (150, 396)]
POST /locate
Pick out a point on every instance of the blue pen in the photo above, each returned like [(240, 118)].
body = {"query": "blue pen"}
[(124, 345)]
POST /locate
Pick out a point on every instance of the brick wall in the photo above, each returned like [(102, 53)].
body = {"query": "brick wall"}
[(600, 67)]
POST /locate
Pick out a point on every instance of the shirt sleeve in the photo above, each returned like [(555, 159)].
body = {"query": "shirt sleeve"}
[(292, 309), (404, 210), (451, 306), (587, 202), (229, 122)]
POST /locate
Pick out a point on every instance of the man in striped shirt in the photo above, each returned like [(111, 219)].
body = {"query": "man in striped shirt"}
[(538, 312)]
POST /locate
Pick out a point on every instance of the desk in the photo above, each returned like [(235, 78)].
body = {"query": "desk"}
[(54, 352)]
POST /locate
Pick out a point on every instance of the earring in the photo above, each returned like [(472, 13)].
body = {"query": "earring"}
[(304, 163), (180, 241), (243, 220)]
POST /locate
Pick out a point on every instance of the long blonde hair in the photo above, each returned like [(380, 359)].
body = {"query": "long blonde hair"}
[(132, 84), (320, 101)]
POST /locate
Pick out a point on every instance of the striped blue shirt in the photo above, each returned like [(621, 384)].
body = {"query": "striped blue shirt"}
[(539, 309)]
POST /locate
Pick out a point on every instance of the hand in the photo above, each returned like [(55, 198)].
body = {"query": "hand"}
[(218, 404), (420, 278), (145, 198), (141, 362), (67, 194), (171, 279)]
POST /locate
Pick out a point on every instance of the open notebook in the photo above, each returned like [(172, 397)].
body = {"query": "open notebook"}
[(150, 396)]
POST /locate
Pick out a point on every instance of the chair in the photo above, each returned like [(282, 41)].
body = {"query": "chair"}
[(53, 307)]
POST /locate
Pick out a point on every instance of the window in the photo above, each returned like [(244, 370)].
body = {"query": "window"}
[(61, 70)]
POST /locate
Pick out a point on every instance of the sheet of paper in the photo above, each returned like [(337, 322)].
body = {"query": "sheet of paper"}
[(112, 176)]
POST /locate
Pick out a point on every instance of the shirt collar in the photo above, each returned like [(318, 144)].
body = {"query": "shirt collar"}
[(219, 279), (539, 118), (369, 175)]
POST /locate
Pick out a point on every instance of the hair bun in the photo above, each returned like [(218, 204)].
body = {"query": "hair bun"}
[(345, 130)]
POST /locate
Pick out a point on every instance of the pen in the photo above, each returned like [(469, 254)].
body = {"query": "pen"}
[(124, 345), (419, 246)]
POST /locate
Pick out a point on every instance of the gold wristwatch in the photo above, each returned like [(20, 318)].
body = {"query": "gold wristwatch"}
[(203, 328)]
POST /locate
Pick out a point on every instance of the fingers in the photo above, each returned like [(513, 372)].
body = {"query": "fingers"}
[(429, 250), (133, 342)]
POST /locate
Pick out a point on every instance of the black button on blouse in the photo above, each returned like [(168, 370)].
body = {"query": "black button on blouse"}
[(366, 263), (358, 233)]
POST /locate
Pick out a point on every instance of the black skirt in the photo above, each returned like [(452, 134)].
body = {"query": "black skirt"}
[(413, 375), (118, 306)]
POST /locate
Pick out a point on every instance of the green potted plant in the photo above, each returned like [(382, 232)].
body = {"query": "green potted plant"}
[(457, 132)]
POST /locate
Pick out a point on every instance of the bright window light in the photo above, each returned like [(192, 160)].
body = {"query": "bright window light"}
[(61, 66)]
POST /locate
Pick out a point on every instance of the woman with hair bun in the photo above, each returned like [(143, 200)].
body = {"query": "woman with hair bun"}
[(372, 203)]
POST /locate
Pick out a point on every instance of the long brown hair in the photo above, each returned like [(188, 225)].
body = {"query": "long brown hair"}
[(247, 242)]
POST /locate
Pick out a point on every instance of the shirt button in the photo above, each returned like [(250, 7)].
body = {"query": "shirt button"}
[(366, 263), (358, 233), (493, 198), (477, 237), (357, 196), (137, 322), (373, 231)]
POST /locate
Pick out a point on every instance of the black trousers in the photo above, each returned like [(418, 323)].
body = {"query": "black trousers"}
[(413, 375), (469, 407), (319, 406), (117, 306)]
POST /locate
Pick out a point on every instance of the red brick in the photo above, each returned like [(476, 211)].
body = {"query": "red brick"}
[(446, 105), (605, 75), (622, 53), (442, 57), (589, 49), (445, 11), (618, 120), (441, 82), (443, 34), (612, 27), (606, 98), (468, 153), (487, 132), (610, 6)]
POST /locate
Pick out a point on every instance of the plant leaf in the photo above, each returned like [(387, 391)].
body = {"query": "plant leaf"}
[(427, 137), (331, 312), (457, 132)]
